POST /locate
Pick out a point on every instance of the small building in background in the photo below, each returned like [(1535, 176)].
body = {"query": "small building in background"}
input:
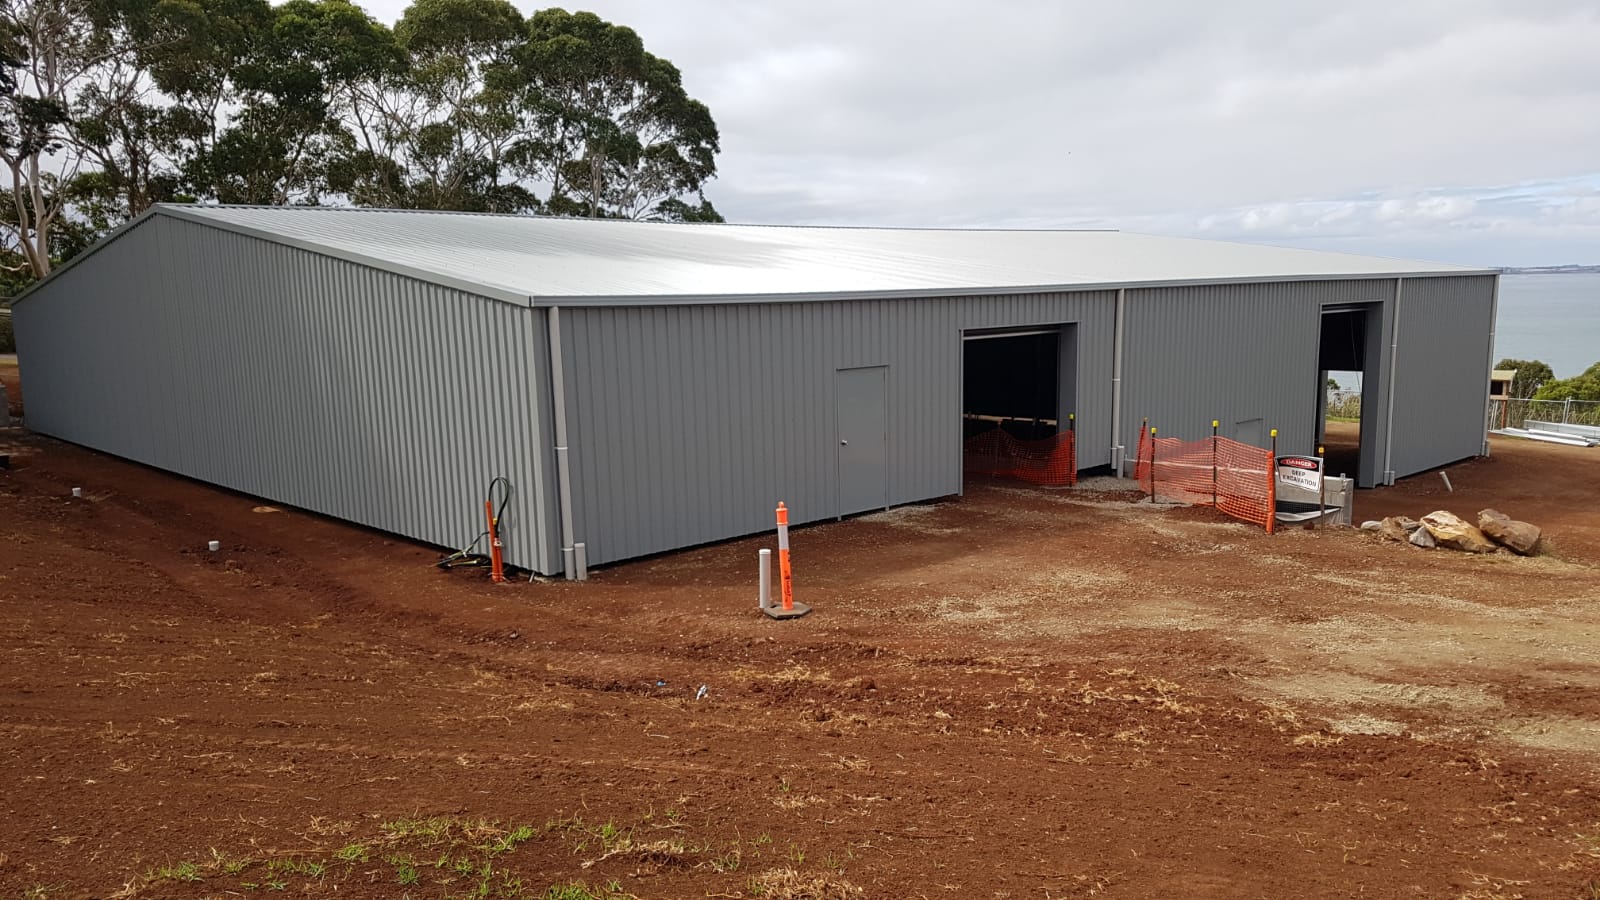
[(1500, 381)]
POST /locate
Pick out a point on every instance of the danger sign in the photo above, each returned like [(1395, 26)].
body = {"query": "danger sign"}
[(1304, 472)]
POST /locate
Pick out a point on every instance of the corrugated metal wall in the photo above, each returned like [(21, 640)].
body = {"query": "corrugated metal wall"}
[(391, 402), (688, 424), (1443, 372), (1235, 353), (311, 381)]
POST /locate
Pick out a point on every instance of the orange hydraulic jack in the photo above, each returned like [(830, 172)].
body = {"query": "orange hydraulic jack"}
[(497, 568)]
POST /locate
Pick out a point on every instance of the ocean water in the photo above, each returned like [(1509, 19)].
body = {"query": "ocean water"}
[(1555, 318)]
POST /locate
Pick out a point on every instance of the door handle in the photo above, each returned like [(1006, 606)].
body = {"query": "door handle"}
[(843, 443)]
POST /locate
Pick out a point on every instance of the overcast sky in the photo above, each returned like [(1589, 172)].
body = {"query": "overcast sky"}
[(1462, 131)]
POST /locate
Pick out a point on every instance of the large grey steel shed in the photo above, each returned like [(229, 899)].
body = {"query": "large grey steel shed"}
[(652, 386)]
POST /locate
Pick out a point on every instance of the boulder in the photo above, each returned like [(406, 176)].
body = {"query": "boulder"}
[(1422, 538), (1519, 537), (1371, 525), (1451, 531), (1392, 529)]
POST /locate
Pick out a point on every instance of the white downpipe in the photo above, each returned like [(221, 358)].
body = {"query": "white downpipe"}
[(1118, 451), (558, 387), (1394, 367), (1494, 312)]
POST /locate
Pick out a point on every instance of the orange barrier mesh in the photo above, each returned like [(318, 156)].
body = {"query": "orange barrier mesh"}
[(1052, 461), (1215, 471)]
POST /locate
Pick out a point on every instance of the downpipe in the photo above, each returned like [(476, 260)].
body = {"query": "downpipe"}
[(1394, 368), (558, 387), (1118, 450)]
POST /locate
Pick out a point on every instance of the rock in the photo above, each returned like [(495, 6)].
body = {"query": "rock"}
[(1519, 537), (1422, 538), (1371, 525), (1451, 531), (1409, 524), (1392, 529)]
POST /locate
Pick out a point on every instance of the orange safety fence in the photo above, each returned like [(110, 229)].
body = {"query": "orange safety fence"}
[(1215, 471), (1052, 461)]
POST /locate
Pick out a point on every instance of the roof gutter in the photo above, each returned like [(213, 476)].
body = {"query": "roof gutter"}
[(943, 293)]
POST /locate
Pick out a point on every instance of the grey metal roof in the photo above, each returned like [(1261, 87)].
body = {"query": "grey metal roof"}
[(547, 260)]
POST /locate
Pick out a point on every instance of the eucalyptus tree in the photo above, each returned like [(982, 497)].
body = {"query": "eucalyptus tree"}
[(612, 132), (134, 136), (286, 129), (110, 106), (48, 52), (433, 132), (1531, 375)]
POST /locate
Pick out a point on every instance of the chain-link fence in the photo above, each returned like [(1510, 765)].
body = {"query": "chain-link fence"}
[(1515, 413), (1344, 404)]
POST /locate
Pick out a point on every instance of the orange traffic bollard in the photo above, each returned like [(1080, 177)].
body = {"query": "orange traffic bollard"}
[(785, 573), (790, 609)]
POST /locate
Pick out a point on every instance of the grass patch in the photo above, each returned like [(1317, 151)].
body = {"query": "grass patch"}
[(351, 853), (441, 856), (454, 855), (666, 854), (184, 871), (406, 873), (787, 884), (429, 831), (727, 862)]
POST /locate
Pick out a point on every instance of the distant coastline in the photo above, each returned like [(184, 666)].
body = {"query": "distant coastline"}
[(1550, 270)]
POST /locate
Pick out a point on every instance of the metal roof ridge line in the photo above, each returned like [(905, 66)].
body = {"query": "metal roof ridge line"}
[(541, 217)]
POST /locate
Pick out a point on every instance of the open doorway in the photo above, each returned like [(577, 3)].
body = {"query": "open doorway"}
[(1019, 381), (1347, 362)]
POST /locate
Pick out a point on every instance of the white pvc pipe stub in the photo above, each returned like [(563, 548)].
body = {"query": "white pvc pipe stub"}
[(764, 595), (77, 492), (214, 546)]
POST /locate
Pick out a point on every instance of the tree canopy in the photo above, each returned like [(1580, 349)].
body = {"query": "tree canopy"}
[(1583, 386), (1530, 375), (110, 106)]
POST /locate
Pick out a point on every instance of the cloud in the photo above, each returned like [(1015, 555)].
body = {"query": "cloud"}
[(1437, 127)]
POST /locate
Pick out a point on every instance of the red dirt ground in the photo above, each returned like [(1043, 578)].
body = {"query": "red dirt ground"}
[(1020, 693), (9, 378)]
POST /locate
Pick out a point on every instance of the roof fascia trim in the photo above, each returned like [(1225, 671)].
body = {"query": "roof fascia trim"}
[(580, 301), (110, 238)]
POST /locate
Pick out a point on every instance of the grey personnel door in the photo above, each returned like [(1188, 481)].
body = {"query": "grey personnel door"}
[(862, 397)]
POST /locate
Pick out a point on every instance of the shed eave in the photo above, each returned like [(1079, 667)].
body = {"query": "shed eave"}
[(580, 300)]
